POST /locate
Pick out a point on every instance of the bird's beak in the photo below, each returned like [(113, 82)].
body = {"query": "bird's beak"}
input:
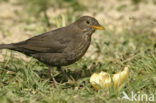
[(98, 27)]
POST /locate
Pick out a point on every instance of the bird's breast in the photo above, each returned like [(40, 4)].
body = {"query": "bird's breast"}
[(79, 48)]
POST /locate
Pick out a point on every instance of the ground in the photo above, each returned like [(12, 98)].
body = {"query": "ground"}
[(129, 40)]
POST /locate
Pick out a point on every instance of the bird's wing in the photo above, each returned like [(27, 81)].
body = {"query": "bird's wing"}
[(50, 42)]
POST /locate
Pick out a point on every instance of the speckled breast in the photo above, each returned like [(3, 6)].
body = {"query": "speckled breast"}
[(80, 50)]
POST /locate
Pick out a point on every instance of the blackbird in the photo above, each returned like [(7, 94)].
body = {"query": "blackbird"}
[(60, 47)]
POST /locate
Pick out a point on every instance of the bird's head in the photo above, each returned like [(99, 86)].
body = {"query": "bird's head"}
[(88, 24)]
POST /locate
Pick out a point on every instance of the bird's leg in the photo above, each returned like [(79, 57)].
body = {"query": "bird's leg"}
[(64, 74), (52, 76)]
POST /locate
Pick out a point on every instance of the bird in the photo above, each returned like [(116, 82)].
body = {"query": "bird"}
[(60, 47)]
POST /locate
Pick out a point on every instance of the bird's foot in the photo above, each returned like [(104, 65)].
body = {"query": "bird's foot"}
[(55, 82), (66, 77), (52, 77), (69, 81)]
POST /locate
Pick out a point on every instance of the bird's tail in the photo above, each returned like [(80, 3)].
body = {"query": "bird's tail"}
[(6, 46)]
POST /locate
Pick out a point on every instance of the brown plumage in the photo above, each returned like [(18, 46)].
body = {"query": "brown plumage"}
[(60, 47)]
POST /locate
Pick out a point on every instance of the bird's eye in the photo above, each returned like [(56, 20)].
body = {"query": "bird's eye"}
[(88, 22)]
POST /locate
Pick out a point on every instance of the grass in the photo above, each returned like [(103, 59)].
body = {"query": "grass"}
[(28, 81)]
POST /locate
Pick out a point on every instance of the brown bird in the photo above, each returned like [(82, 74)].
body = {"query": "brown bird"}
[(60, 47)]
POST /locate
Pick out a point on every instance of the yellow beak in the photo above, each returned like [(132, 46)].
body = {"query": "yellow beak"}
[(98, 27)]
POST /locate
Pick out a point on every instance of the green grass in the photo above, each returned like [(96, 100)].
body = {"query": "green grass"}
[(28, 82), (24, 81)]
